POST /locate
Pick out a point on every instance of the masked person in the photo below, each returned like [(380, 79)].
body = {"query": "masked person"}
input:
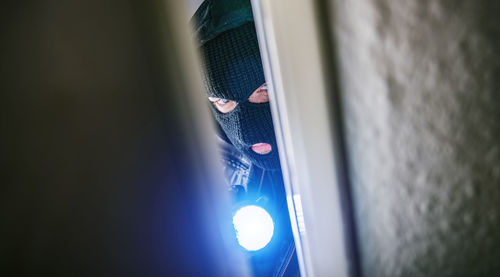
[(238, 96)]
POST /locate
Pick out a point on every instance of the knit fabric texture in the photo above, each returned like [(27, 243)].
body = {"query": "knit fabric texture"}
[(232, 67), (232, 70), (214, 17)]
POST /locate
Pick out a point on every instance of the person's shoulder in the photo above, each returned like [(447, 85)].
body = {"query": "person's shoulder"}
[(232, 157), (236, 166)]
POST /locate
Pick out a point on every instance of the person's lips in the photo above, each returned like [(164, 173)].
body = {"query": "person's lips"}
[(262, 148)]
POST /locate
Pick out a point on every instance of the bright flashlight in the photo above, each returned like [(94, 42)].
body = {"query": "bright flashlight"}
[(254, 227)]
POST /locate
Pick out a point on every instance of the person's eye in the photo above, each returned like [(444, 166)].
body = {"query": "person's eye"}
[(260, 95), (223, 105)]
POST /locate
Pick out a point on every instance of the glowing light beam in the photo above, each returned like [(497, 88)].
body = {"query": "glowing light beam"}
[(254, 227)]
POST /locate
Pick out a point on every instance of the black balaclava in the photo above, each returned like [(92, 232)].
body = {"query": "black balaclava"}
[(232, 70)]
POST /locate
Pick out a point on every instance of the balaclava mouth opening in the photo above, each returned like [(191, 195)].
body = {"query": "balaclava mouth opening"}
[(232, 69)]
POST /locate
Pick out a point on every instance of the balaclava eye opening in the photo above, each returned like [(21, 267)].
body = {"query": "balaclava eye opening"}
[(232, 70)]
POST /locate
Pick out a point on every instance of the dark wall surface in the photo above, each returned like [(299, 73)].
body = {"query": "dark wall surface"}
[(101, 170)]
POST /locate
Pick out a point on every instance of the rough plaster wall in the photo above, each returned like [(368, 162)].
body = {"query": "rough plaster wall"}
[(420, 87)]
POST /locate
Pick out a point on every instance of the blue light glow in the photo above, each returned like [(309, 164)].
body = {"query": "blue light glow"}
[(254, 227)]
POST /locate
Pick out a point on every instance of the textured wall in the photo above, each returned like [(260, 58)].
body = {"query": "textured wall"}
[(421, 100)]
